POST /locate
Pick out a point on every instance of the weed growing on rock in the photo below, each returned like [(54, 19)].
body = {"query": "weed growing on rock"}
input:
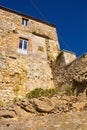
[(16, 89), (15, 100), (68, 90), (38, 92)]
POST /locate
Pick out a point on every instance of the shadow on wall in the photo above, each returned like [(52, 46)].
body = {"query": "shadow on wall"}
[(79, 87)]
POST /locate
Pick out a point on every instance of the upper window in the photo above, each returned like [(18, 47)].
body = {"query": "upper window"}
[(24, 21), (23, 45)]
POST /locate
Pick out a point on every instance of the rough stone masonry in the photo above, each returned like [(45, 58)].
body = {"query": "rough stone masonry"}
[(30, 57), (27, 45), (73, 74)]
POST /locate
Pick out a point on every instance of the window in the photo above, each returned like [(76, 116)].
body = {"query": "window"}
[(40, 48), (23, 45), (24, 21)]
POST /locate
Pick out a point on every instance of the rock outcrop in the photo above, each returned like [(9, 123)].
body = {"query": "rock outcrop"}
[(61, 112), (59, 104)]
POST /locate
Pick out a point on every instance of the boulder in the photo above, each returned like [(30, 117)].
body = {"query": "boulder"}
[(43, 105), (8, 111), (7, 114), (26, 105)]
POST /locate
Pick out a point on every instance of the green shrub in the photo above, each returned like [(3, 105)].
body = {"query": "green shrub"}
[(15, 100), (38, 92)]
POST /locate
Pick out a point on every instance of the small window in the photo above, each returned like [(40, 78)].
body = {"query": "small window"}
[(40, 48), (23, 45), (24, 22)]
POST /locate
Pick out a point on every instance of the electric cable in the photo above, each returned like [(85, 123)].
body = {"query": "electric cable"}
[(45, 18), (64, 42), (38, 10)]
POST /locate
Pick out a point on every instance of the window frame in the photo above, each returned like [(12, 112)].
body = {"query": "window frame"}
[(25, 22), (22, 46)]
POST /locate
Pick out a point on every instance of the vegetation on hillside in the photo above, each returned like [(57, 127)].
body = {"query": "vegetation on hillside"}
[(38, 92)]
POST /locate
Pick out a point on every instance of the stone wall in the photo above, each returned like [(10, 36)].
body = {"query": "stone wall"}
[(11, 29), (41, 66), (20, 73), (68, 57), (73, 74)]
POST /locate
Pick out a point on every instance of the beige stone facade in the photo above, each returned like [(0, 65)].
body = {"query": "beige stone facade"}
[(68, 57), (36, 32), (25, 46), (30, 57)]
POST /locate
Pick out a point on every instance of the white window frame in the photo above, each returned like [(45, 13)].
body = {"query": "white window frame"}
[(22, 46), (24, 22)]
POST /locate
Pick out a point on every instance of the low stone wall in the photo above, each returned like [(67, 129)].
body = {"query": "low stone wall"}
[(77, 69), (73, 74)]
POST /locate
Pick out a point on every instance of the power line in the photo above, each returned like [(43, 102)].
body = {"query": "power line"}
[(38, 10), (65, 43), (45, 18)]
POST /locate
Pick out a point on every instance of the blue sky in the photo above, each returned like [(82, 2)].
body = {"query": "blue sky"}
[(69, 16)]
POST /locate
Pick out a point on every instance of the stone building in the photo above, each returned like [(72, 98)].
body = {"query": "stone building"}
[(30, 57), (27, 45)]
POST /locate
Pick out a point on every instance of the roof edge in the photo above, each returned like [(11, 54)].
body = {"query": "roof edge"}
[(69, 52), (27, 16)]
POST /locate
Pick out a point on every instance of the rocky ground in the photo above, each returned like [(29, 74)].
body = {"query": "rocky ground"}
[(56, 113)]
